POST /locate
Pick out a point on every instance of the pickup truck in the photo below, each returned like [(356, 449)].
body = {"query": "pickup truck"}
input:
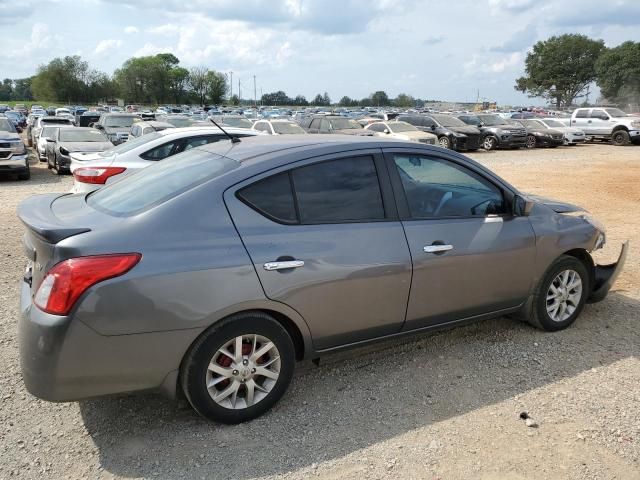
[(607, 124)]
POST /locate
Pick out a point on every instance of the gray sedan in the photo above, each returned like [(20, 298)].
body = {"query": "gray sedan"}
[(213, 273)]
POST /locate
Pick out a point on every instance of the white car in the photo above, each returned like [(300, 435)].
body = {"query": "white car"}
[(41, 122), (402, 131), (572, 135), (60, 111), (278, 127), (93, 170)]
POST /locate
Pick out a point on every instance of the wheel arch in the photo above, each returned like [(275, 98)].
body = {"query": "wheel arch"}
[(617, 128), (584, 256)]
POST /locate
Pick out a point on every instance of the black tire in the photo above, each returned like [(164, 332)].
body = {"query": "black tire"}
[(540, 317), (620, 138), (531, 141), (444, 142), (27, 174), (55, 167), (490, 143), (195, 365)]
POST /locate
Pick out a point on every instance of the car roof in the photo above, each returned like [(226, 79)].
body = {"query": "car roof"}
[(206, 129), (266, 145)]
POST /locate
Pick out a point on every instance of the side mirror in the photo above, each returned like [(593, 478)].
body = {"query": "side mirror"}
[(386, 130), (433, 127), (47, 139), (522, 206)]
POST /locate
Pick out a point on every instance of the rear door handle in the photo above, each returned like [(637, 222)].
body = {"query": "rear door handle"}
[(269, 266), (437, 248)]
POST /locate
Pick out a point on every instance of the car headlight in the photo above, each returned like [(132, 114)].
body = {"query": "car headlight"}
[(18, 148), (635, 123)]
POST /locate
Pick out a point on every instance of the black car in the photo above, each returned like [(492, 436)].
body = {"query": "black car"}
[(85, 119), (334, 124), (452, 133), (539, 135), (496, 131)]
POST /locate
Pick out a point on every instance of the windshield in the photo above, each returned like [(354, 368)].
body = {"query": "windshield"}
[(472, 120), (492, 120), (532, 123), (237, 122), (615, 112), (80, 135), (160, 182), (48, 132), (345, 124), (118, 121), (554, 123), (287, 128), (448, 121), (6, 126), (397, 127), (130, 144), (55, 121)]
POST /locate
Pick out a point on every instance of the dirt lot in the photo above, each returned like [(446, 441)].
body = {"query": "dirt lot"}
[(443, 406)]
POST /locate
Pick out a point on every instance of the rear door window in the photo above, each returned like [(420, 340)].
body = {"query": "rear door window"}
[(163, 151)]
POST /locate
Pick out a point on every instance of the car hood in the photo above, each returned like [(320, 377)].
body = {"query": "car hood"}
[(7, 136), (415, 135), (86, 146), (353, 131), (567, 129), (555, 205), (468, 130)]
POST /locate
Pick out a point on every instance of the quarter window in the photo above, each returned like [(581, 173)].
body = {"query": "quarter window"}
[(271, 197), (161, 152), (582, 114), (437, 188)]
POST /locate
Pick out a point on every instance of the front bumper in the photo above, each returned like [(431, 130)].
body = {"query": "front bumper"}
[(14, 164), (549, 142), (62, 359), (606, 275), (574, 138), (512, 141)]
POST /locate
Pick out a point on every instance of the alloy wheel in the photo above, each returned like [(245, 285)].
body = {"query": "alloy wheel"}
[(564, 295), (489, 143), (243, 371)]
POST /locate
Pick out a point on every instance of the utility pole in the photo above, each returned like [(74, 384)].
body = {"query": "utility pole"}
[(239, 92), (231, 84), (261, 96), (255, 92)]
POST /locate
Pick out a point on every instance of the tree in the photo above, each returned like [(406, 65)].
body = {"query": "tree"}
[(560, 68), (276, 98), (345, 102), (216, 86), (234, 100), (404, 100), (198, 83), (6, 89), (618, 71), (300, 101), (22, 89), (326, 100), (380, 99)]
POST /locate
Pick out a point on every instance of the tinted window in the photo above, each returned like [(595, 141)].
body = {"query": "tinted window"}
[(601, 114), (437, 188), (315, 123), (161, 152), (199, 141), (377, 127), (338, 191), (262, 127), (582, 113), (324, 125), (271, 197), (159, 183)]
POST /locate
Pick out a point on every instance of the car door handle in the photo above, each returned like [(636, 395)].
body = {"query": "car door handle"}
[(269, 266), (437, 248)]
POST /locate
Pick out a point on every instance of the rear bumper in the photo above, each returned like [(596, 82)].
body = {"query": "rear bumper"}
[(606, 275), (62, 359)]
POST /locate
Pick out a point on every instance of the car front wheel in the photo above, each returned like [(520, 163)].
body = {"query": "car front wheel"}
[(620, 138), (489, 143), (444, 142), (239, 369), (561, 294), (531, 141)]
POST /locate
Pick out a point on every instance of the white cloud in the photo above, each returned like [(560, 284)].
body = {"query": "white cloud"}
[(168, 29), (131, 29), (105, 46), (506, 62)]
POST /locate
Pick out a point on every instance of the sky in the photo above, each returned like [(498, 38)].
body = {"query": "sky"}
[(432, 49)]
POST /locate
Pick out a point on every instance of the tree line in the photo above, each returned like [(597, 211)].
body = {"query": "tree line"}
[(563, 68)]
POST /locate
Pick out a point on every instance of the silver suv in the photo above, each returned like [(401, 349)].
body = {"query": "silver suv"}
[(13, 152)]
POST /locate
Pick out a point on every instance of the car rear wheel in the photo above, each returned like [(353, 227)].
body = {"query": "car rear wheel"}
[(620, 138), (238, 369), (561, 294), (444, 142), (531, 141), (489, 143)]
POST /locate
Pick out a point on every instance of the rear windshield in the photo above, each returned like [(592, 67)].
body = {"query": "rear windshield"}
[(130, 144), (79, 135), (6, 126), (117, 122), (160, 182)]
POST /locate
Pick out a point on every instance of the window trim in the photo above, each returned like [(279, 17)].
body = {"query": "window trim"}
[(384, 183), (401, 199)]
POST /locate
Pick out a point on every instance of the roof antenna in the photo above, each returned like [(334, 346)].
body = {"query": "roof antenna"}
[(231, 137)]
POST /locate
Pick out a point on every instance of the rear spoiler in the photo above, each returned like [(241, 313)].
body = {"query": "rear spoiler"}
[(35, 212)]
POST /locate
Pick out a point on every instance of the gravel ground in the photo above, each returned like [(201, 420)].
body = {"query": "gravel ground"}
[(444, 406)]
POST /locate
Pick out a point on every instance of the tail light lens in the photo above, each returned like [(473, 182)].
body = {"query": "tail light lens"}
[(68, 280), (96, 175)]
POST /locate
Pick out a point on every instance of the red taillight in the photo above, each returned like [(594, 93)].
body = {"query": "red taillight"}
[(98, 175), (69, 279)]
